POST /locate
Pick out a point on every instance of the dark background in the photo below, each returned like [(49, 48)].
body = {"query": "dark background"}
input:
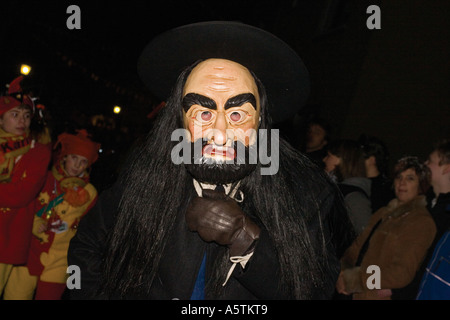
[(393, 83)]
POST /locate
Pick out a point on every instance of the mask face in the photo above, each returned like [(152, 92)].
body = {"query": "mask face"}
[(221, 107)]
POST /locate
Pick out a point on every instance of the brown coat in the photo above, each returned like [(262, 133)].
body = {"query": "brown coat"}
[(397, 247)]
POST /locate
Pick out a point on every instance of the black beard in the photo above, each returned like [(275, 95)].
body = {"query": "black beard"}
[(211, 171)]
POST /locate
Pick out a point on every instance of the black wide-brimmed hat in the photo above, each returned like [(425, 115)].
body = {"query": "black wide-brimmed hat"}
[(277, 65)]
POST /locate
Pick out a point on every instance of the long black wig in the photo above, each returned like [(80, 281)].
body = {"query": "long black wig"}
[(287, 204)]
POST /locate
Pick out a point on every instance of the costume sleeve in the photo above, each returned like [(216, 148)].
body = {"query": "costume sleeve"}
[(87, 246), (29, 177), (262, 275)]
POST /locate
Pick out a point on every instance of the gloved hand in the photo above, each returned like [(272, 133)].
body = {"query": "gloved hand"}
[(217, 217)]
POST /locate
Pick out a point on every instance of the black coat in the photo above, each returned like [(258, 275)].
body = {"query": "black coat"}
[(181, 260)]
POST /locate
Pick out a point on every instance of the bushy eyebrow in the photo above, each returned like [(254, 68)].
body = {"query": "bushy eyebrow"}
[(194, 98), (240, 99)]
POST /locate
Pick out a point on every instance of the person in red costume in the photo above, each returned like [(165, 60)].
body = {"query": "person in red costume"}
[(23, 165), (66, 197)]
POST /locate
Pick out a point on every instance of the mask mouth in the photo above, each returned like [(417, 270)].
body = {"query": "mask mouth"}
[(220, 164), (221, 153)]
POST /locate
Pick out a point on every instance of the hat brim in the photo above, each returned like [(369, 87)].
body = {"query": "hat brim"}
[(277, 65)]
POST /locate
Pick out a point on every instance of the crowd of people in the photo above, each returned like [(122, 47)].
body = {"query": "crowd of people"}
[(395, 216), (312, 230), (45, 191)]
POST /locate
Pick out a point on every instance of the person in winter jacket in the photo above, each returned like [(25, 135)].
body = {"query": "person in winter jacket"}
[(388, 253), (434, 278)]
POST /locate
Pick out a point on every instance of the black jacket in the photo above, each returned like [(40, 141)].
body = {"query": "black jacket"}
[(181, 260)]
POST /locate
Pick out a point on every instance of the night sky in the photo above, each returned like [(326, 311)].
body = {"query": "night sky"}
[(392, 83), (94, 68)]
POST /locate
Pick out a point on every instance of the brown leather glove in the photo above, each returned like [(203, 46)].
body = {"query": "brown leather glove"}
[(217, 217)]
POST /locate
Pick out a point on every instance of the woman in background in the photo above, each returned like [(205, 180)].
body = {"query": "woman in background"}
[(345, 164), (395, 240)]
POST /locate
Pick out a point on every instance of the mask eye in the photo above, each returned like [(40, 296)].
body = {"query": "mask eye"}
[(204, 116), (237, 116)]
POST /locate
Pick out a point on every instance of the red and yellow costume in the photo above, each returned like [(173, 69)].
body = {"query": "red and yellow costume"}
[(60, 205), (23, 166)]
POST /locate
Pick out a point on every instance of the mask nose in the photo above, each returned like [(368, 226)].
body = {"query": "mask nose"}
[(219, 132)]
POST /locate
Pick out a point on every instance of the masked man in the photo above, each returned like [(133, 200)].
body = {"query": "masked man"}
[(228, 221)]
